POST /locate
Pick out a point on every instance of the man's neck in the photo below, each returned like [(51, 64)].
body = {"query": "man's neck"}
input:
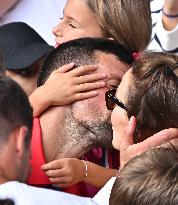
[(63, 137)]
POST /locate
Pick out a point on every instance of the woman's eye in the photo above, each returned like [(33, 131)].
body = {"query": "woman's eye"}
[(71, 25)]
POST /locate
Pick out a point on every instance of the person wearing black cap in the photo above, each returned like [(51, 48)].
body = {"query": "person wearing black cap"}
[(23, 51)]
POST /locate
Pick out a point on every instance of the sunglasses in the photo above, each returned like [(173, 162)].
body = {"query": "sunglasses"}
[(112, 101)]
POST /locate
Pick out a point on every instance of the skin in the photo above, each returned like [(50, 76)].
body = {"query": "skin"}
[(17, 155), (74, 122), (114, 70), (123, 128), (73, 86), (171, 8), (76, 24), (6, 5), (27, 82), (119, 116)]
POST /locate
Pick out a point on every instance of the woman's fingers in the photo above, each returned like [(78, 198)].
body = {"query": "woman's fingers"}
[(58, 173), (56, 164), (89, 86), (83, 70), (64, 68)]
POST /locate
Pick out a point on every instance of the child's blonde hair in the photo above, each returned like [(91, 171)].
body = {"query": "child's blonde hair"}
[(126, 21)]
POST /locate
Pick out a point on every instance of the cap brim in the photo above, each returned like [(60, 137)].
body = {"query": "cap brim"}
[(26, 57)]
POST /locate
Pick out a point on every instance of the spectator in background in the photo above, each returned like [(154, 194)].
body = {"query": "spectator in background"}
[(23, 52), (15, 138), (148, 179), (165, 26), (41, 15)]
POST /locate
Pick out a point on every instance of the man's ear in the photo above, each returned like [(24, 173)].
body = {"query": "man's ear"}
[(20, 140)]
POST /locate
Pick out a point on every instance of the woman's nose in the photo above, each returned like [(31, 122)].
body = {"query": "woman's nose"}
[(57, 31)]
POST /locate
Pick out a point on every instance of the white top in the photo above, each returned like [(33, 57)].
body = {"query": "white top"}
[(41, 15), (162, 40), (23, 194), (102, 197)]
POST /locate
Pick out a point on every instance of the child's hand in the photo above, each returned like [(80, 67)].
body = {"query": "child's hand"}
[(65, 172), (64, 86)]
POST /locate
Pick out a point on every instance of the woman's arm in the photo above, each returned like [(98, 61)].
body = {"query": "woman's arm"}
[(68, 171), (170, 11)]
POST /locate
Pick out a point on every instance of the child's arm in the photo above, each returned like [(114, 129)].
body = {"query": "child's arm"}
[(65, 86), (170, 8), (68, 171)]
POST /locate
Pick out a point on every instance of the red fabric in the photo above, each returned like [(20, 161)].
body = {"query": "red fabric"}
[(37, 176)]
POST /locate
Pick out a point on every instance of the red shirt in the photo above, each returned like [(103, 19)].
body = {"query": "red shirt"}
[(37, 176)]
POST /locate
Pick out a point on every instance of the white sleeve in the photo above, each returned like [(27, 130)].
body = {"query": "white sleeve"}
[(23, 194), (102, 197), (162, 40)]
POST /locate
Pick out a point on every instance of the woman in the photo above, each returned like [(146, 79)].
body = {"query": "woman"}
[(147, 94)]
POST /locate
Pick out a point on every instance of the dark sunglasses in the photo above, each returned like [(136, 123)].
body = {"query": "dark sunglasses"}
[(111, 100)]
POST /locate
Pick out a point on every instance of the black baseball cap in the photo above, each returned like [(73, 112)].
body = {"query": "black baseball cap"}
[(21, 45)]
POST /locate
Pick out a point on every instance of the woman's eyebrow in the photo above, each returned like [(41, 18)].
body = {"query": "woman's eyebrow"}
[(69, 17)]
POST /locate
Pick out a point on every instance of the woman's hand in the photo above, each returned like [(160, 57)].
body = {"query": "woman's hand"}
[(129, 150), (65, 172)]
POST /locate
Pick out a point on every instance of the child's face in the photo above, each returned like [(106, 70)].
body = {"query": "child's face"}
[(78, 21)]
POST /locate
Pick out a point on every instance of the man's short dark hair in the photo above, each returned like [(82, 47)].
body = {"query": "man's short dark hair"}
[(81, 52), (148, 179), (15, 109)]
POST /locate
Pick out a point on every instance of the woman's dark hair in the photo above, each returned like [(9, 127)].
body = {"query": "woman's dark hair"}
[(153, 99)]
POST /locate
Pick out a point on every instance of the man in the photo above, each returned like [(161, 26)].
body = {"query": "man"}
[(15, 138), (72, 131)]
